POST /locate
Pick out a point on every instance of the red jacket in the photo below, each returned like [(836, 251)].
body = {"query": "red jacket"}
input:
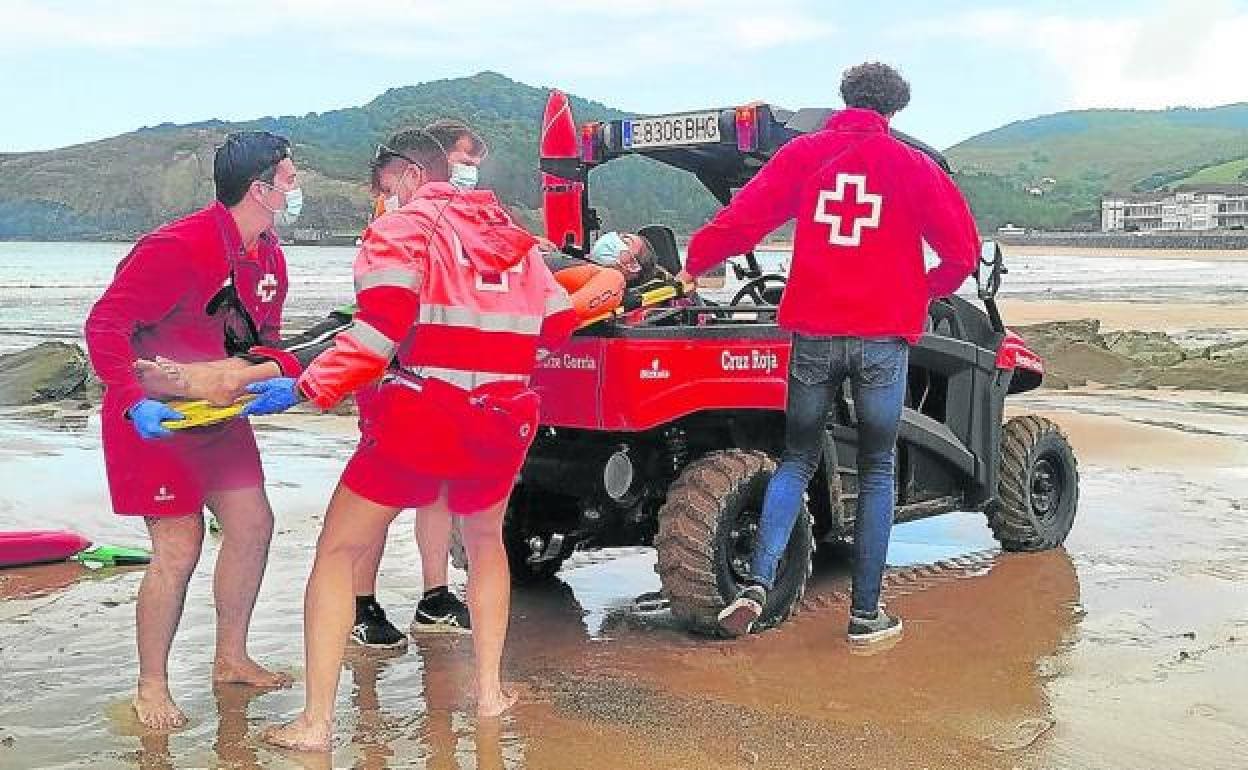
[(456, 289), (156, 302), (864, 204)]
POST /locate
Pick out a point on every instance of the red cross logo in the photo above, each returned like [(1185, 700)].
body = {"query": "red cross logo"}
[(862, 211), (266, 289)]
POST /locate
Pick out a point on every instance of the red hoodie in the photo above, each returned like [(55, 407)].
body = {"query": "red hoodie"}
[(455, 288), (864, 203), (156, 304)]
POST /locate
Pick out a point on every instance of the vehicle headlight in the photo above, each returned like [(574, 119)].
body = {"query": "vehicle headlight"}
[(618, 474)]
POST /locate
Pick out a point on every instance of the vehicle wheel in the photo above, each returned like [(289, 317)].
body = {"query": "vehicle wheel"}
[(515, 540), (706, 536), (1038, 491)]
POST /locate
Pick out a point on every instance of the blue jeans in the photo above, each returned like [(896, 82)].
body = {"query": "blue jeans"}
[(877, 374)]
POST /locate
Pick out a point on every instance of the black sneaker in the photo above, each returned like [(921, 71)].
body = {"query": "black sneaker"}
[(372, 629), (441, 611), (865, 631), (738, 617)]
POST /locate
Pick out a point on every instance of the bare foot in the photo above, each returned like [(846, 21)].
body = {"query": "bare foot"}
[(208, 381), (300, 735), (495, 704), (155, 707), (213, 381), (161, 378), (249, 672)]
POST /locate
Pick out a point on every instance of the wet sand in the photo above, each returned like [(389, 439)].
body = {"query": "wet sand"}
[(1126, 649), (1123, 316)]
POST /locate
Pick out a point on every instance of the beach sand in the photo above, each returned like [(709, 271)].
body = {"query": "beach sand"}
[(1126, 649), (1120, 316)]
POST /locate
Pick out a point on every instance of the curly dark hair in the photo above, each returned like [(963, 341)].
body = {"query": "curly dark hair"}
[(875, 86)]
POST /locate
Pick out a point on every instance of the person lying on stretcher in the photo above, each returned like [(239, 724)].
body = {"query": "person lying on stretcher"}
[(620, 267)]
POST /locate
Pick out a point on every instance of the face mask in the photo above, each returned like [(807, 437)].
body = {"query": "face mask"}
[(608, 248), (391, 204), (286, 216), (463, 176)]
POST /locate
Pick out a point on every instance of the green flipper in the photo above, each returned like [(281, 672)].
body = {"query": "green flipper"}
[(114, 556)]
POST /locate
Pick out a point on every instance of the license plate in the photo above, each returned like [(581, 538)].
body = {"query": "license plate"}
[(672, 130)]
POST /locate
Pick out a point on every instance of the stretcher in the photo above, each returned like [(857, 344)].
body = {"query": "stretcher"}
[(202, 413), (197, 414), (657, 293)]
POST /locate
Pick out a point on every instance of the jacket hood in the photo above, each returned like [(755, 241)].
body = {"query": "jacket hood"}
[(491, 241)]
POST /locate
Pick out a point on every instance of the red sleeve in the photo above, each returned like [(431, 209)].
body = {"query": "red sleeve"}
[(390, 269), (949, 228), (149, 284), (766, 202)]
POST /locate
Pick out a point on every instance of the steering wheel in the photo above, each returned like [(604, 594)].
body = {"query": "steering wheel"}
[(758, 288)]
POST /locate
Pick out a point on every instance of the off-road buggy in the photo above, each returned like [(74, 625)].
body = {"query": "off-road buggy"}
[(666, 432)]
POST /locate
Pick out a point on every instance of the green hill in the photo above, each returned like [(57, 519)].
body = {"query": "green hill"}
[(122, 186), (1072, 158), (1047, 172), (1235, 171)]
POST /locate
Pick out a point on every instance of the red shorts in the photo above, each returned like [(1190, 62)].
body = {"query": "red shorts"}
[(375, 477), (385, 481), (173, 476)]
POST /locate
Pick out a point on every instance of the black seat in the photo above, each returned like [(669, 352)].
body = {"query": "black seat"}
[(663, 243), (956, 318)]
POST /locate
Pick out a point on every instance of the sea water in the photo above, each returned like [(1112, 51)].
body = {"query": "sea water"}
[(47, 289)]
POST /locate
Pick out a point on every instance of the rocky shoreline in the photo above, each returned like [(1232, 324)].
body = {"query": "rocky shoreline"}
[(1077, 353), (47, 372)]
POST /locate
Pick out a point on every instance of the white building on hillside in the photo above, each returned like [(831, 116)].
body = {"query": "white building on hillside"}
[(1187, 207)]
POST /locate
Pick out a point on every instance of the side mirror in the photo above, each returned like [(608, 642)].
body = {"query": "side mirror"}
[(989, 270)]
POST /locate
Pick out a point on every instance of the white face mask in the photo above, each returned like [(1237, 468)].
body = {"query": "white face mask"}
[(391, 204), (608, 248), (463, 176), (289, 212)]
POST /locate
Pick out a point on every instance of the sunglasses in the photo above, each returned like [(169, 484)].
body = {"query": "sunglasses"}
[(479, 148), (383, 153)]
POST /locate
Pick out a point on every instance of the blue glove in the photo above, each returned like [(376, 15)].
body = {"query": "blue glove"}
[(272, 396), (147, 416)]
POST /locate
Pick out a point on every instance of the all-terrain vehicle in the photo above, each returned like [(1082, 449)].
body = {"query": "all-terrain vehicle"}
[(666, 432)]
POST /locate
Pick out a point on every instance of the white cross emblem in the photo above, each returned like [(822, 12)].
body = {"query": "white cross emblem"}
[(862, 199), (266, 289)]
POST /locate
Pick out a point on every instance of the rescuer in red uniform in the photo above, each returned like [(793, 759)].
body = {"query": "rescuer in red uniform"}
[(200, 288)]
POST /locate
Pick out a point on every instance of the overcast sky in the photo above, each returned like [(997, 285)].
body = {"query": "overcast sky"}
[(76, 70)]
